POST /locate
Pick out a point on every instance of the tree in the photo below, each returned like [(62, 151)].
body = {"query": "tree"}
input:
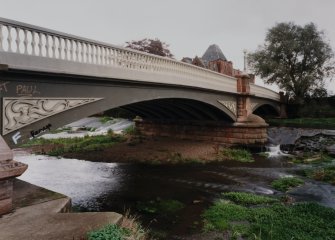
[(153, 46), (296, 58)]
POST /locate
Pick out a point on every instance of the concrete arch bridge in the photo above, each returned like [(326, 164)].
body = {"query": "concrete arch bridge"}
[(49, 79)]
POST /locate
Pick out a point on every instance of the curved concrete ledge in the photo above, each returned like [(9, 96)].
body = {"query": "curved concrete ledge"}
[(46, 220)]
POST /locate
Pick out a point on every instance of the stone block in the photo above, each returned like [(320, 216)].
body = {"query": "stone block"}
[(6, 189), (6, 205)]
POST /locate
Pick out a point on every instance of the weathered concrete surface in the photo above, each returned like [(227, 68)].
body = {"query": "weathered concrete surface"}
[(9, 169), (44, 220)]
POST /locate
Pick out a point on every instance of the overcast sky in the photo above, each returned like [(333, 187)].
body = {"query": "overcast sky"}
[(188, 26)]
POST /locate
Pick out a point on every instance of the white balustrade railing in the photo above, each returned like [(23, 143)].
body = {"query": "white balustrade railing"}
[(29, 40)]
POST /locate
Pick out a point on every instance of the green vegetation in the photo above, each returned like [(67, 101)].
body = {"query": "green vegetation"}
[(240, 155), (248, 198), (308, 158), (286, 183), (163, 207), (69, 145), (105, 119), (109, 232), (303, 221), (131, 130), (328, 123), (325, 174)]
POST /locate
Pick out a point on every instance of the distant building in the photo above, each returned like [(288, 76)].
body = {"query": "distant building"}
[(214, 60)]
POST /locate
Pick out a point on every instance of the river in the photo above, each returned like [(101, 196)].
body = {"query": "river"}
[(97, 186)]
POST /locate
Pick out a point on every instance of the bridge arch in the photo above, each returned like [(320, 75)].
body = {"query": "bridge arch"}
[(266, 109), (178, 109)]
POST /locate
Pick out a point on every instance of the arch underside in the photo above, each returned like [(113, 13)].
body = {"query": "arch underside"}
[(146, 100), (177, 109), (266, 109)]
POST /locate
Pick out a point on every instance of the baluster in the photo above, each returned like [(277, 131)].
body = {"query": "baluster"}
[(102, 55), (108, 56), (33, 43), (25, 41), (77, 50), (99, 55), (105, 55), (93, 54), (66, 49), (87, 47), (96, 51), (17, 40), (53, 46), (1, 37), (59, 47), (40, 44), (82, 49), (9, 39), (47, 46), (113, 59), (71, 50)]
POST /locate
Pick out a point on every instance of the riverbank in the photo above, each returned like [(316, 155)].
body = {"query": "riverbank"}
[(149, 150)]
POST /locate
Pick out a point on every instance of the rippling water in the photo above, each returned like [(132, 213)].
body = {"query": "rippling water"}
[(95, 186)]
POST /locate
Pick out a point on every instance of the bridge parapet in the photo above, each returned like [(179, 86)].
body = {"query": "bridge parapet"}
[(27, 47), (46, 50)]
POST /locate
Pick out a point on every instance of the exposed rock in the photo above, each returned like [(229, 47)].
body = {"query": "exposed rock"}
[(331, 150)]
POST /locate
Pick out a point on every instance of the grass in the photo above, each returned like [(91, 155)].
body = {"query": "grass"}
[(324, 174), (131, 130), (328, 123), (312, 158), (286, 183), (105, 119), (70, 145), (109, 232), (163, 207), (303, 221), (248, 198), (240, 155), (128, 228)]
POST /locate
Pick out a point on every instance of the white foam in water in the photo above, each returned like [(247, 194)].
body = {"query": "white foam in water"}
[(78, 179), (274, 151)]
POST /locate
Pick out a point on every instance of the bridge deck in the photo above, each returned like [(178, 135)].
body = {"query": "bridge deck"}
[(32, 48)]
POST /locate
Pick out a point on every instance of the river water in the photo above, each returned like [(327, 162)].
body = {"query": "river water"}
[(95, 186)]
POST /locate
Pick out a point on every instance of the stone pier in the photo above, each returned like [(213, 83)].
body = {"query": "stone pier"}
[(9, 169), (216, 132)]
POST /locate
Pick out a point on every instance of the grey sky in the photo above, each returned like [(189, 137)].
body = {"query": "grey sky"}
[(189, 26)]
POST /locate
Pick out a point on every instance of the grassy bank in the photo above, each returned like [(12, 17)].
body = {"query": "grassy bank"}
[(62, 146), (326, 123), (258, 217)]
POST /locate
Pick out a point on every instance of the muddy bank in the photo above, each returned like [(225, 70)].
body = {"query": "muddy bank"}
[(149, 150)]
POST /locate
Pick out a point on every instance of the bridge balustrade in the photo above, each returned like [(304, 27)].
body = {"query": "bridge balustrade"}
[(19, 39)]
